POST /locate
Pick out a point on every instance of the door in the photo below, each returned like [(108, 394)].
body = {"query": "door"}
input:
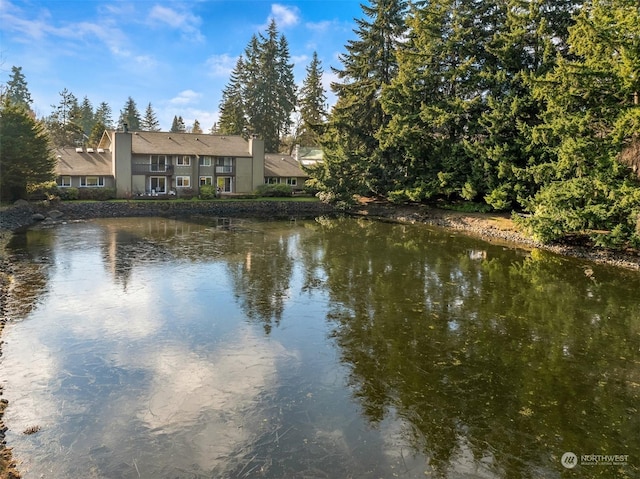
[(158, 184)]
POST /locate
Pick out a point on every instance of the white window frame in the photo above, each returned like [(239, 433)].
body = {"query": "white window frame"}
[(206, 180), (183, 160), (292, 181), (64, 181), (99, 181), (159, 167), (272, 180), (183, 182), (205, 161), (151, 188)]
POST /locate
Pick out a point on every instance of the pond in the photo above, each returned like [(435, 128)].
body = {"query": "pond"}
[(330, 347)]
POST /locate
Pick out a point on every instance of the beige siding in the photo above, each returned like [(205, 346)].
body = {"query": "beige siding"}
[(138, 184), (244, 175)]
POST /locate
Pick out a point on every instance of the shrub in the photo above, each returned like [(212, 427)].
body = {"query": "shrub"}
[(47, 190), (186, 193), (279, 190), (97, 194), (208, 192), (68, 193)]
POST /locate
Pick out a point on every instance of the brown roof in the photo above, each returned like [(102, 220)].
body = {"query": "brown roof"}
[(200, 144), (72, 163), (283, 166)]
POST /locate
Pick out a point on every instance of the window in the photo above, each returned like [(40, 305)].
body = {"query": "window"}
[(292, 181), (206, 180), (92, 181), (158, 163), (64, 181), (272, 180), (183, 181), (205, 161), (184, 161), (224, 165)]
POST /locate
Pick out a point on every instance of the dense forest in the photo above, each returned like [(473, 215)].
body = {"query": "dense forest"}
[(506, 104), (529, 106)]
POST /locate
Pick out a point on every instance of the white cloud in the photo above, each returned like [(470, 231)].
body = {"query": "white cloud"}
[(185, 22), (319, 27), (185, 97), (285, 16), (220, 65)]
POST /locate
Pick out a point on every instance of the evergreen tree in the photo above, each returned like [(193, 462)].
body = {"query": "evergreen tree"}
[(592, 115), (268, 87), (25, 151), (86, 118), (16, 89), (103, 115), (529, 38), (312, 103), (150, 121), (196, 128), (64, 122), (178, 126), (130, 115), (437, 98), (96, 134), (353, 161), (232, 115)]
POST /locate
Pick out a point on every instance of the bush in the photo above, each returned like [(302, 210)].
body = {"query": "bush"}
[(208, 192), (186, 193), (97, 194), (68, 193), (47, 190), (279, 190)]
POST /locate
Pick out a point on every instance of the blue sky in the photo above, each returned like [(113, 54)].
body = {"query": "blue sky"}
[(176, 55)]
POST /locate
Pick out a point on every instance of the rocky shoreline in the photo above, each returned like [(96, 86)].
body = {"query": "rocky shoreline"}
[(490, 227)]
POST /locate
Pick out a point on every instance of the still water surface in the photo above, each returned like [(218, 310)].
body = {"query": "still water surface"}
[(156, 348)]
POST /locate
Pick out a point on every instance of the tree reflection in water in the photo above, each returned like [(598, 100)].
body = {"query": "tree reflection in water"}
[(487, 360)]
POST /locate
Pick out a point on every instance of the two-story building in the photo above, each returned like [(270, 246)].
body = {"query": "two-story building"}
[(158, 163)]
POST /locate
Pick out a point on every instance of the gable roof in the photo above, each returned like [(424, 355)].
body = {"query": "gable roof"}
[(283, 166), (73, 163), (196, 144)]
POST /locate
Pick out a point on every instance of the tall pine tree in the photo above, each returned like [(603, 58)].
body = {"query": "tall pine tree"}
[(64, 122), (16, 89), (150, 120), (353, 161), (268, 87), (232, 115), (103, 115), (312, 104), (130, 115)]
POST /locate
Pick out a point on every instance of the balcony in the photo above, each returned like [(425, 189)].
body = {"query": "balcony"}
[(224, 170), (152, 170)]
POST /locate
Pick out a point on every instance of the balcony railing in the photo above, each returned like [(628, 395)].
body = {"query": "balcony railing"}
[(147, 169), (224, 170)]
